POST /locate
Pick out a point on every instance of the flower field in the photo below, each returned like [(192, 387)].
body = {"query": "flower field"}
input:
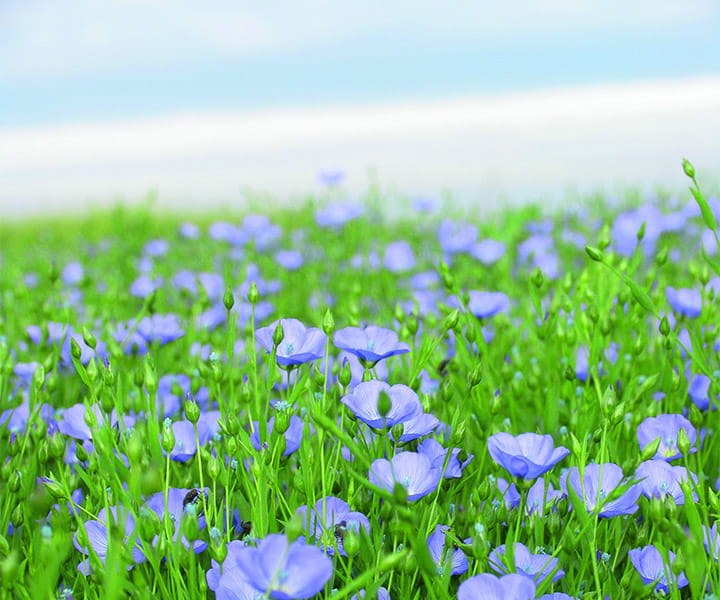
[(321, 402)]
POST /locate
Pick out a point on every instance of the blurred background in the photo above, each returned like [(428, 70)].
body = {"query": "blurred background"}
[(208, 104)]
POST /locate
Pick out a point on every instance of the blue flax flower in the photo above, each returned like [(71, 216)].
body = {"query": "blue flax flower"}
[(412, 470), (446, 557), (598, 482), (661, 479), (299, 345), (437, 455), (283, 570), (363, 403), (370, 344), (97, 536), (489, 587), (180, 503), (666, 427), (527, 455), (330, 526), (652, 569), (381, 594), (684, 301), (535, 566)]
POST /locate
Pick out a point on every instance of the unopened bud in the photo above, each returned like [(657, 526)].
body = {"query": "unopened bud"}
[(683, 442), (384, 404), (89, 338), (594, 253), (192, 411), (688, 168), (228, 299), (168, 436), (328, 324), (278, 334), (253, 294)]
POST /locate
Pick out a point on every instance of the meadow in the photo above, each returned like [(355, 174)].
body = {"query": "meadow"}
[(321, 402)]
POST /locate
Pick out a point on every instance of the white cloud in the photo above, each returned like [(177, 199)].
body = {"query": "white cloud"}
[(47, 37), (522, 145)]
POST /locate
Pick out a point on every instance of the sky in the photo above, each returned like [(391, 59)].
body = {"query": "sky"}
[(68, 64)]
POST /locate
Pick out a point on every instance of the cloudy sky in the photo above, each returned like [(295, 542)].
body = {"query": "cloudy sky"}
[(320, 76)]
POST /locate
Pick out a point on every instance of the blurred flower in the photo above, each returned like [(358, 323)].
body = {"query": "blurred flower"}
[(438, 455), (158, 328), (382, 594), (73, 273), (684, 301), (598, 482), (293, 435), (711, 541), (299, 345), (156, 247), (399, 257), (443, 557), (332, 524), (336, 214), (290, 260), (488, 251), (412, 470), (370, 344), (16, 419), (283, 570), (698, 390), (97, 536), (648, 562), (144, 285), (483, 304), (666, 427), (189, 231), (527, 455), (363, 403), (489, 587), (331, 177), (536, 566), (456, 237), (509, 492)]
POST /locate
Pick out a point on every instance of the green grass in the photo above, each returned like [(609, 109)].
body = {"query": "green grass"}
[(522, 380)]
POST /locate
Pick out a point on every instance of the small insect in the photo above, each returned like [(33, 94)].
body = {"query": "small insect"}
[(340, 530), (245, 527), (192, 498)]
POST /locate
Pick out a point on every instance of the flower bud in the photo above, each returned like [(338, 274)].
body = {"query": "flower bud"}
[(253, 294), (451, 320), (537, 278), (328, 324), (192, 411), (641, 232), (661, 257), (228, 299), (213, 468), (594, 253), (664, 326), (683, 442), (294, 527), (278, 334), (688, 168), (218, 550), (89, 338), (345, 375), (75, 350), (282, 421), (150, 376), (384, 404), (168, 436), (412, 324)]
